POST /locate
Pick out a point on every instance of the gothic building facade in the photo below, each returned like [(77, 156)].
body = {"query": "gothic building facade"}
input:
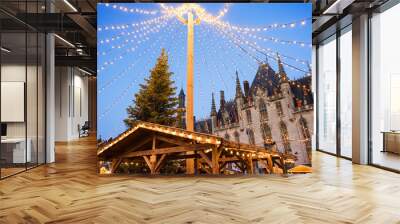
[(273, 112)]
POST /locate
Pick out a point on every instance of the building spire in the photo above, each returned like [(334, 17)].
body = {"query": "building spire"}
[(222, 100), (282, 73), (213, 107), (181, 99), (239, 92)]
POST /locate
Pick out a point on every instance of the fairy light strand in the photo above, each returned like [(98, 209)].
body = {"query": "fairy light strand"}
[(237, 41), (136, 29), (212, 20), (131, 66), (126, 90), (237, 36), (131, 10), (233, 63), (121, 56), (129, 41), (111, 27), (275, 40), (293, 82)]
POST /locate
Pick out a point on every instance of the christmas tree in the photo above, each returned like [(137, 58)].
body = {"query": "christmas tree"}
[(156, 101)]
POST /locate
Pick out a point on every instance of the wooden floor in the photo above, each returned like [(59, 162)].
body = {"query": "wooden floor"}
[(70, 191), (386, 159)]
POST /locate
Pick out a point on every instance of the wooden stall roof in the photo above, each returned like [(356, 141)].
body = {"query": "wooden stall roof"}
[(143, 129)]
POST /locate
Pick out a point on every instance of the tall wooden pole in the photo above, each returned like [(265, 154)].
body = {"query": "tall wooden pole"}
[(189, 87)]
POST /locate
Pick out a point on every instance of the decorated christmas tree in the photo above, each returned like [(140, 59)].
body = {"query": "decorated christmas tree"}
[(155, 101)]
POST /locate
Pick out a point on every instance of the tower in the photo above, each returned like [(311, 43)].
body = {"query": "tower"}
[(181, 110), (213, 114), (239, 93), (181, 99), (222, 101), (283, 79), (282, 74), (285, 87)]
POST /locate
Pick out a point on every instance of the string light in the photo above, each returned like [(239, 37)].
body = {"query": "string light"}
[(275, 40), (126, 26), (201, 12), (172, 11), (232, 73), (121, 56), (128, 33), (132, 65), (129, 43), (131, 10), (226, 68), (220, 47), (215, 21), (255, 47), (126, 70), (127, 89), (250, 67)]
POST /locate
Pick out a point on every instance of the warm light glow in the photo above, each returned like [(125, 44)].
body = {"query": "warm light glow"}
[(70, 5), (65, 41), (104, 170)]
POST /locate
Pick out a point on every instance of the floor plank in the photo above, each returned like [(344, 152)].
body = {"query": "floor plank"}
[(70, 191)]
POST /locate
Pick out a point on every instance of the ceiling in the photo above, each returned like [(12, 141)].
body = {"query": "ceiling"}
[(330, 15), (74, 22)]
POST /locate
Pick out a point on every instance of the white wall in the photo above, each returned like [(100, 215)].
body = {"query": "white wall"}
[(71, 103), (13, 73), (33, 126)]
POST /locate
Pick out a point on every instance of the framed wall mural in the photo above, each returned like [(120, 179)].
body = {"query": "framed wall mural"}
[(213, 88)]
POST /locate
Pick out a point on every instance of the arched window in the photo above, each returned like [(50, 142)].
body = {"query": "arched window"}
[(306, 134), (248, 116), (285, 137), (250, 135), (227, 136), (263, 110), (304, 128), (236, 134), (279, 109), (266, 132)]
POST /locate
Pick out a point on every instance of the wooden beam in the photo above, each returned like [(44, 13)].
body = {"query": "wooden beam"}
[(205, 158), (277, 160), (205, 169), (215, 160), (182, 156), (270, 163), (170, 140), (220, 149), (158, 165), (135, 147), (167, 150), (267, 166), (222, 166), (154, 142), (283, 165), (149, 164), (250, 167), (115, 164), (237, 163), (229, 159)]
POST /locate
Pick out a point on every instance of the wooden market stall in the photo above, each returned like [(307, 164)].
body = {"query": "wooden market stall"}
[(213, 154)]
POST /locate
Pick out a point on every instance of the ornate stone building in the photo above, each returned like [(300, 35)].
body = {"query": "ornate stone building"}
[(273, 111)]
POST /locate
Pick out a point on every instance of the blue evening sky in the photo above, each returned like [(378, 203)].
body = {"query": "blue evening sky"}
[(216, 59)]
